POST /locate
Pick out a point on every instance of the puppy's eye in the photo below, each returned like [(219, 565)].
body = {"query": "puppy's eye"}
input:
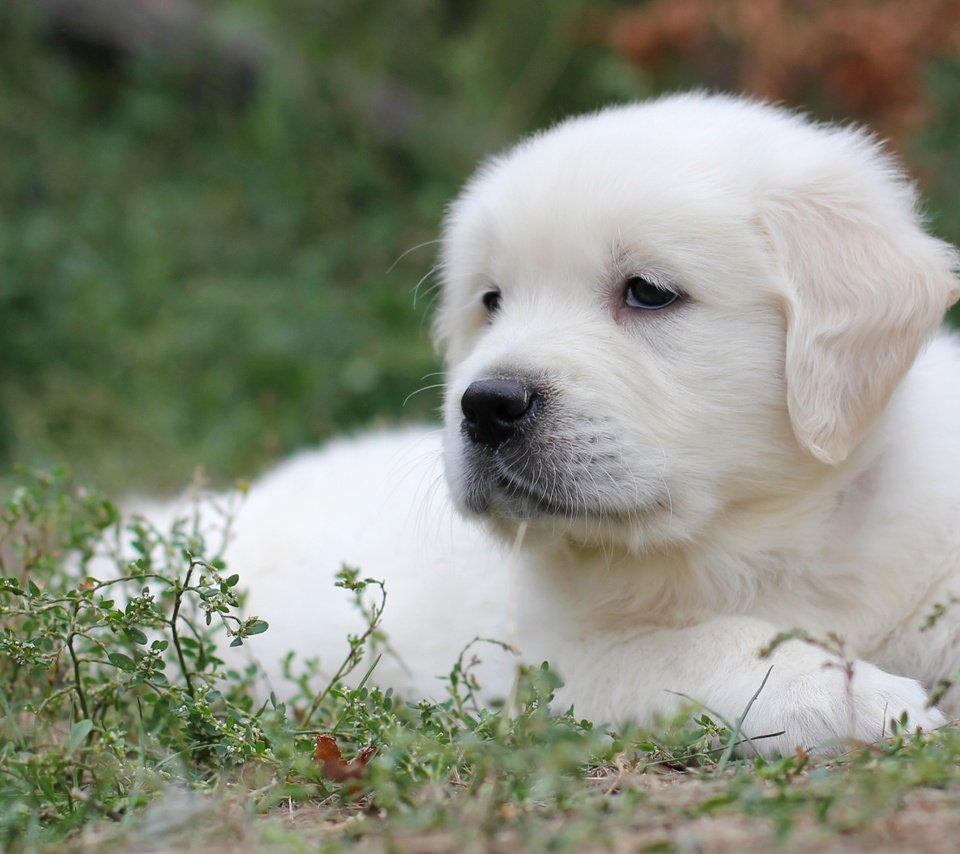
[(642, 293), (491, 301)]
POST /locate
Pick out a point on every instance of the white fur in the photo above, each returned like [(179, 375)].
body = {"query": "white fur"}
[(769, 453)]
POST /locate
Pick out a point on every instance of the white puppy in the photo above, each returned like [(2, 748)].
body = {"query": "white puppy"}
[(682, 344)]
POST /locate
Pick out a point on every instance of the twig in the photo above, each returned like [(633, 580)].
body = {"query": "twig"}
[(76, 675), (725, 758), (178, 598)]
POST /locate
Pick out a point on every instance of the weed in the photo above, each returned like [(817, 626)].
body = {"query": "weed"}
[(115, 701)]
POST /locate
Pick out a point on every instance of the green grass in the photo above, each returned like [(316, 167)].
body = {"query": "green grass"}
[(121, 728), (187, 282)]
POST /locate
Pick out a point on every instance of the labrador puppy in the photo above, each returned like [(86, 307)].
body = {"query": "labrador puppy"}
[(693, 401)]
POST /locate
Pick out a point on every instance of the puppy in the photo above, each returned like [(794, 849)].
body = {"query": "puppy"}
[(691, 402)]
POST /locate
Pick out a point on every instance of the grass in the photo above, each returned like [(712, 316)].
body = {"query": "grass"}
[(121, 728), (190, 281)]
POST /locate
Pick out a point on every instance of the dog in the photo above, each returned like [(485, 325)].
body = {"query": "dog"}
[(695, 398)]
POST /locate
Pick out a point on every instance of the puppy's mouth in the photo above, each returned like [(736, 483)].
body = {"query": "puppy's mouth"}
[(532, 501), (494, 488), (519, 462)]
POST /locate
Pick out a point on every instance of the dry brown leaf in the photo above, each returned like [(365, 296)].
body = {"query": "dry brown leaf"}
[(332, 765)]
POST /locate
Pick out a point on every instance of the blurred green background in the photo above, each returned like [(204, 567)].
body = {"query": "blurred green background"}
[(215, 214)]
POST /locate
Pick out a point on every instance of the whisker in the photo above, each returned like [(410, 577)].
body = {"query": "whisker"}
[(418, 390), (405, 253), (423, 278), (431, 292)]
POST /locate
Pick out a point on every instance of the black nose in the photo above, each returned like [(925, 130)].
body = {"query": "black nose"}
[(493, 410)]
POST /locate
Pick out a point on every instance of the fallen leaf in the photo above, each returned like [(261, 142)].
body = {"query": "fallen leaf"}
[(327, 750), (327, 754)]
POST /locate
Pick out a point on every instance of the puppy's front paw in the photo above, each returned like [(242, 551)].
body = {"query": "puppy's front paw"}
[(825, 709), (880, 696)]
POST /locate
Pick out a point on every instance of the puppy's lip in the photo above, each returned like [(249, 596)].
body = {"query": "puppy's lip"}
[(497, 493), (497, 484), (512, 498), (518, 493)]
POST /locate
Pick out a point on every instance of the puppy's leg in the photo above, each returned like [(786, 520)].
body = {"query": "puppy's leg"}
[(927, 643), (808, 700)]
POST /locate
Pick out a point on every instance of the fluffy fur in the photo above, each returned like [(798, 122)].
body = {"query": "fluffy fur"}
[(777, 449)]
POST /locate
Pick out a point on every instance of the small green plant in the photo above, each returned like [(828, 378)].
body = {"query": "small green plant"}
[(115, 697), (113, 688), (109, 666)]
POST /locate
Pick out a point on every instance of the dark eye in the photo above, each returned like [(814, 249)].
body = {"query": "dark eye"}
[(491, 301), (642, 293)]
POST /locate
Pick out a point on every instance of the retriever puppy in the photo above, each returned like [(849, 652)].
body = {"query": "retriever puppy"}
[(692, 401)]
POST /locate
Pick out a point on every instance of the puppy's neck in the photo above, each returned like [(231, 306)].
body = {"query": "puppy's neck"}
[(748, 552)]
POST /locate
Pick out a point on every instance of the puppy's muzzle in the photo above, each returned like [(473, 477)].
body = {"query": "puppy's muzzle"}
[(496, 410)]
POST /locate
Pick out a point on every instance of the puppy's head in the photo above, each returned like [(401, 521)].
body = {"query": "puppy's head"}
[(659, 311)]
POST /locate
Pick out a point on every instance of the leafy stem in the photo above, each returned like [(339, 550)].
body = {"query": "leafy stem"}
[(179, 590), (77, 682), (349, 580)]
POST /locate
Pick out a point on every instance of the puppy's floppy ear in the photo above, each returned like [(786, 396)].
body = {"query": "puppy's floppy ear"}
[(864, 286)]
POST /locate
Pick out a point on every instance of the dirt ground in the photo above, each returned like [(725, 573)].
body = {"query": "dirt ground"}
[(666, 819)]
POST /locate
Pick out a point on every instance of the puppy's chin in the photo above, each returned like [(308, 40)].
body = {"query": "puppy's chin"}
[(559, 511)]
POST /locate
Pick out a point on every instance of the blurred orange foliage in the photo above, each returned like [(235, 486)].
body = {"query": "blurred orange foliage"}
[(865, 58)]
